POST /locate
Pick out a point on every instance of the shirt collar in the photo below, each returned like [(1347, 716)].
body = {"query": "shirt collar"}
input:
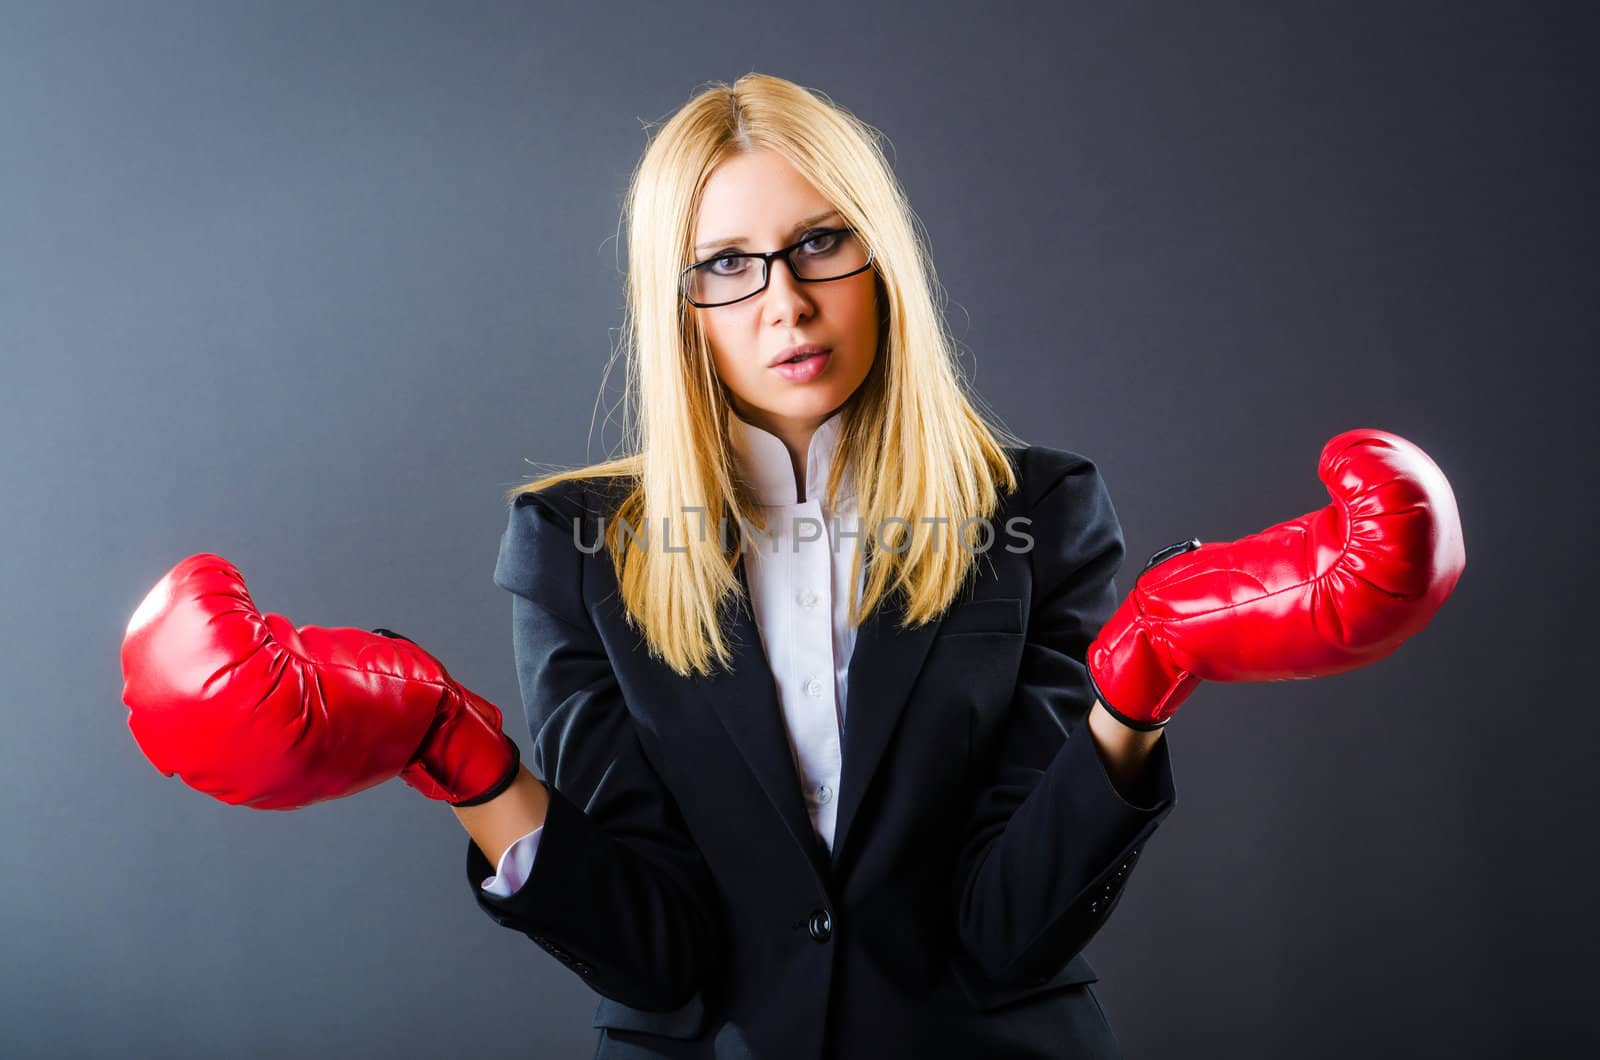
[(764, 461)]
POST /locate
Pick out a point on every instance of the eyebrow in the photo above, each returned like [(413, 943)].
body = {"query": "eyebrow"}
[(739, 240)]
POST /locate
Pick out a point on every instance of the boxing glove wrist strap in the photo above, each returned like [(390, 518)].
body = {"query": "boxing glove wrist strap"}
[(500, 786), (1141, 726)]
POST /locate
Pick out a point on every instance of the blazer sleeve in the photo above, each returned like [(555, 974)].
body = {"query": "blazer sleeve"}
[(618, 892), (1051, 841)]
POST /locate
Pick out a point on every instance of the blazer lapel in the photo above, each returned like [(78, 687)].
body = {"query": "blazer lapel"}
[(883, 666), (746, 701), (884, 663)]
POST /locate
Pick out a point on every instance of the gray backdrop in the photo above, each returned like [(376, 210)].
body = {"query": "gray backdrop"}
[(309, 285)]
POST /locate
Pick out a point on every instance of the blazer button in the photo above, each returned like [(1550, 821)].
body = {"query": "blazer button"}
[(820, 925)]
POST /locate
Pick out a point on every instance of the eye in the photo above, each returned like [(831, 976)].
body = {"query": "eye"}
[(730, 265), (820, 241)]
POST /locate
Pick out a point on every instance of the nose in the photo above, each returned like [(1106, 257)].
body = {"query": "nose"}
[(786, 297)]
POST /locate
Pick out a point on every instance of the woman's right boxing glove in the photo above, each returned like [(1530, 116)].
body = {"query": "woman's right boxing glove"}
[(250, 710)]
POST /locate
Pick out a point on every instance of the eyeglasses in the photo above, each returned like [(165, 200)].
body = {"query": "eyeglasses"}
[(824, 254)]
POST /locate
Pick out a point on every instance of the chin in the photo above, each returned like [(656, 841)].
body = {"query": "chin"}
[(816, 401)]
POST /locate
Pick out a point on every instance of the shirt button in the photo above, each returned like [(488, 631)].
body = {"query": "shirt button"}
[(813, 687), (824, 795), (808, 598)]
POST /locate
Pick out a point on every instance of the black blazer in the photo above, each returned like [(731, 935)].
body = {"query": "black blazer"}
[(979, 843)]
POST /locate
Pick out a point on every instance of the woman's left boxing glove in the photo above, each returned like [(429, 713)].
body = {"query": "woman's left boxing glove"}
[(1335, 589), (250, 710)]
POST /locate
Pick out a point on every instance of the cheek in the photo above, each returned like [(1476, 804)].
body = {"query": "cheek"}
[(862, 311), (722, 337)]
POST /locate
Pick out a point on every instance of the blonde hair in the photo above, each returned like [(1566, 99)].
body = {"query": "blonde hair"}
[(919, 447)]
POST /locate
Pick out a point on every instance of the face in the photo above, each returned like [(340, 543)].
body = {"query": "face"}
[(756, 202)]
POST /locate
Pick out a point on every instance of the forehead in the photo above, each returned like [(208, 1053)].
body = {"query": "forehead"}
[(755, 195)]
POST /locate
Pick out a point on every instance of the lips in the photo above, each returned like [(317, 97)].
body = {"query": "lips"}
[(794, 353)]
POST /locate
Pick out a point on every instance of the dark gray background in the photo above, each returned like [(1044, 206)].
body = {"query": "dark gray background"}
[(310, 285)]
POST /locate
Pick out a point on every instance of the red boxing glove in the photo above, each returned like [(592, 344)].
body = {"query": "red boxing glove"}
[(1328, 592), (248, 709)]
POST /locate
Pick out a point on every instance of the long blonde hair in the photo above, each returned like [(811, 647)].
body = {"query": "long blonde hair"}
[(920, 449)]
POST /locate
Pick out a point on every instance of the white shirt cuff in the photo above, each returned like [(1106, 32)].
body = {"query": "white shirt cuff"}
[(515, 866)]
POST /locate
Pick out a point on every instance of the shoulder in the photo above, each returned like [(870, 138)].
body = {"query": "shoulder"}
[(1066, 509), (579, 498), (550, 532), (1050, 477)]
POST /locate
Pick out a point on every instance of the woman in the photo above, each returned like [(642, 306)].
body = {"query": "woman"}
[(842, 745), (791, 399)]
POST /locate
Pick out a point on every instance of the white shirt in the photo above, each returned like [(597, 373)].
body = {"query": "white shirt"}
[(800, 593)]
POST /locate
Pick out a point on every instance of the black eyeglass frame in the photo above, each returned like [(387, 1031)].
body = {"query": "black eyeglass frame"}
[(766, 267)]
